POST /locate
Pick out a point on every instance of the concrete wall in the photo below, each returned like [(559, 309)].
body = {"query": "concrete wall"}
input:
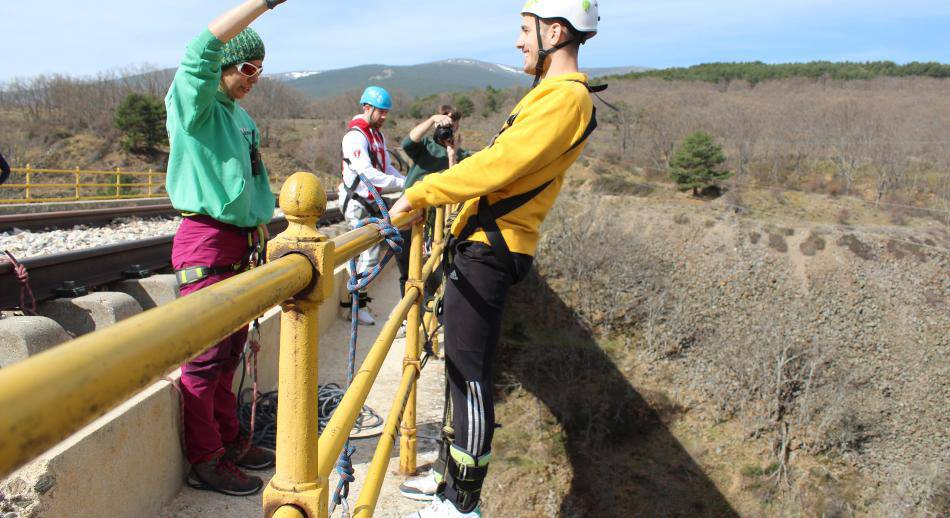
[(129, 462)]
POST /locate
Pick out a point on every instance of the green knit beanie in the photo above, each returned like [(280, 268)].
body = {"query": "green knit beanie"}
[(246, 46)]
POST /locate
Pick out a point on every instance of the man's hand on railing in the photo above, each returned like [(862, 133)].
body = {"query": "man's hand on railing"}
[(402, 206)]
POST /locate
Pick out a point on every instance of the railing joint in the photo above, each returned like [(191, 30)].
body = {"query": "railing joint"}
[(415, 363)]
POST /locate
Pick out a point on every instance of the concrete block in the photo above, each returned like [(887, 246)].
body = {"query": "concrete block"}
[(22, 337), (149, 292), (88, 313), (126, 463)]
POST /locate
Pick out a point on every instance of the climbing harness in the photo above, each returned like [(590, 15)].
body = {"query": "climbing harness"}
[(25, 291), (488, 213), (379, 163), (364, 301), (256, 252), (358, 281)]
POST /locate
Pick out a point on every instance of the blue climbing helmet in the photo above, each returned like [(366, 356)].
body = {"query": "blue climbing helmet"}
[(378, 97)]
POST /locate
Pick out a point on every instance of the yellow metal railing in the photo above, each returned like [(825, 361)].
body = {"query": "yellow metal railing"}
[(58, 185), (86, 377)]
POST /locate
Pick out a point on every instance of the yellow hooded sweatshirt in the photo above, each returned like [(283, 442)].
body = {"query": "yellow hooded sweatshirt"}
[(533, 147)]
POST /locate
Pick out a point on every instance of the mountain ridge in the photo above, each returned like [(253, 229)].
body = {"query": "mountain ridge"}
[(449, 75)]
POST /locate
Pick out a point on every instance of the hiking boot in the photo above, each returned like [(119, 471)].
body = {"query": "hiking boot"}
[(245, 455), (221, 475), (364, 318), (420, 488), (440, 508)]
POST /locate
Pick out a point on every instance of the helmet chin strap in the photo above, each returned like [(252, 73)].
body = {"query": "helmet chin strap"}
[(544, 53), (371, 113)]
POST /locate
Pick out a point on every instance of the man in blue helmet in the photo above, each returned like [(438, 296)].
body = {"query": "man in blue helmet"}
[(365, 152)]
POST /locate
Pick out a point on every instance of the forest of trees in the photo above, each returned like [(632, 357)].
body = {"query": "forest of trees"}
[(757, 71), (886, 138)]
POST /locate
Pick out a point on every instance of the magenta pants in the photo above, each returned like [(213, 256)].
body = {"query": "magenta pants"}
[(210, 405)]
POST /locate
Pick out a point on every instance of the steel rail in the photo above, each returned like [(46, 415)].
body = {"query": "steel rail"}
[(70, 218)]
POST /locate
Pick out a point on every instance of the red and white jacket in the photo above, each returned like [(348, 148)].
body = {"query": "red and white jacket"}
[(365, 151)]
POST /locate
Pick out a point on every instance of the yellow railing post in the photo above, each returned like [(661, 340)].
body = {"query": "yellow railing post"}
[(407, 441), (297, 489), (77, 183), (148, 192), (438, 241), (117, 182), (27, 183)]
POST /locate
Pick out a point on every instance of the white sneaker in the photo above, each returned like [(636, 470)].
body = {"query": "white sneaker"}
[(420, 488), (364, 318), (444, 509), (402, 331)]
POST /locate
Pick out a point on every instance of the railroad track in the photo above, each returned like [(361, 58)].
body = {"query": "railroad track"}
[(71, 218), (91, 217), (92, 267)]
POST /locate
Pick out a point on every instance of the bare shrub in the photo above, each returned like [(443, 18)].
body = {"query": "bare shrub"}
[(844, 216)]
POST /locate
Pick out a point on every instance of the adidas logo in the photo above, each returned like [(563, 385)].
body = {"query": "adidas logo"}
[(453, 276)]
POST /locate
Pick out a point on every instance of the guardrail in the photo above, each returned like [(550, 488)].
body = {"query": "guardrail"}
[(86, 377), (32, 183)]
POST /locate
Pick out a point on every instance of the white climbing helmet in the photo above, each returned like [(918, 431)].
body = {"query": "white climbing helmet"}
[(581, 14)]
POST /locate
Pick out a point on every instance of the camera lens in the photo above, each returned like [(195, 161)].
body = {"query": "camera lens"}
[(443, 133)]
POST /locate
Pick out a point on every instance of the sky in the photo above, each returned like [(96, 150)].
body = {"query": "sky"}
[(85, 38)]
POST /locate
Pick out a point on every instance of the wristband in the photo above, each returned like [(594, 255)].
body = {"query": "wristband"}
[(273, 3)]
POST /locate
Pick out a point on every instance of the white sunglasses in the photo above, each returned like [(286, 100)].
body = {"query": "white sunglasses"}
[(248, 69)]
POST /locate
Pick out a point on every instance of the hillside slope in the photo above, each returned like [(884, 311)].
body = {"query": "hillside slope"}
[(677, 359)]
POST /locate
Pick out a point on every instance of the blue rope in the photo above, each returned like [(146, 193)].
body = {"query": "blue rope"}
[(359, 281)]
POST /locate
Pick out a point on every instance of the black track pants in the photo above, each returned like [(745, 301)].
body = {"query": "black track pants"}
[(402, 260), (475, 294)]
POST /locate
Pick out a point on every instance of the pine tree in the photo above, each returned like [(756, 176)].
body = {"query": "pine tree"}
[(463, 104), (492, 101), (141, 117), (696, 163)]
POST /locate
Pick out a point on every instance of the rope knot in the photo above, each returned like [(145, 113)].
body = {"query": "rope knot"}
[(25, 291)]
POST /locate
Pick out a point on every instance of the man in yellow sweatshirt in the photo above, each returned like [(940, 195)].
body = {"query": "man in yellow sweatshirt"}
[(508, 189)]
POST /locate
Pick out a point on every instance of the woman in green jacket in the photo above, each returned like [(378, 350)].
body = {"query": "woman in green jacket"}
[(218, 182)]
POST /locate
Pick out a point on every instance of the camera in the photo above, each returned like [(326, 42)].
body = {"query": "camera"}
[(444, 134)]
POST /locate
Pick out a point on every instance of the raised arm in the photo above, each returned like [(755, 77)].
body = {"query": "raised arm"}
[(416, 134), (199, 75), (235, 20)]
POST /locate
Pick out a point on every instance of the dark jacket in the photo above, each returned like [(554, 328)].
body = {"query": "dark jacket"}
[(4, 170)]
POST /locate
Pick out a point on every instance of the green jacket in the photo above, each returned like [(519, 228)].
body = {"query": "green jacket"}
[(428, 157), (210, 135)]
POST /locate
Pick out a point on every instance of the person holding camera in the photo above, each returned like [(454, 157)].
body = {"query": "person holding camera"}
[(430, 155), (217, 180)]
